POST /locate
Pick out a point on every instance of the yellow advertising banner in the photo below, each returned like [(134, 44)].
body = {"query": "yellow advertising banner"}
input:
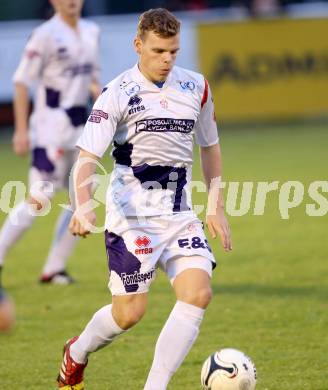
[(266, 69)]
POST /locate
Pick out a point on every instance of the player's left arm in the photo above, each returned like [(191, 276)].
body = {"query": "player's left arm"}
[(95, 86), (206, 135), (95, 89), (26, 75), (216, 220)]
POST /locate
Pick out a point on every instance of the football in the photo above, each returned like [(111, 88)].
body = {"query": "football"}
[(228, 369)]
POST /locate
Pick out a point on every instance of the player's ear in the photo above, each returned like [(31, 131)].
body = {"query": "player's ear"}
[(137, 45)]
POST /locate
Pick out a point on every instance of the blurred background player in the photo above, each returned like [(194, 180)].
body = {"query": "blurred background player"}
[(151, 112), (61, 57)]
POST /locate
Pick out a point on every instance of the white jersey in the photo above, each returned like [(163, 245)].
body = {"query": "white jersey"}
[(62, 62), (152, 129)]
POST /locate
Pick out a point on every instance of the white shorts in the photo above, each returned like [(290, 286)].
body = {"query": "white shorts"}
[(136, 249), (50, 165)]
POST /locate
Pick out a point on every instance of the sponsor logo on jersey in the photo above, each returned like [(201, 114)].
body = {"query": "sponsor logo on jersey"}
[(164, 104), (62, 53), (157, 125), (97, 115), (130, 88), (143, 245), (134, 103), (136, 277), (76, 70), (187, 85)]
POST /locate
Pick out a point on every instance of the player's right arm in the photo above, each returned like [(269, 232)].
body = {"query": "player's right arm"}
[(84, 217), (27, 73), (94, 141), (21, 143)]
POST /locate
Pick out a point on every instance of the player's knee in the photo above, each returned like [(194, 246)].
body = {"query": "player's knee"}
[(203, 297), (129, 309), (200, 297), (129, 315)]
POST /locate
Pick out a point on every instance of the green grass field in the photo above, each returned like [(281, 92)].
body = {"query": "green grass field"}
[(271, 292)]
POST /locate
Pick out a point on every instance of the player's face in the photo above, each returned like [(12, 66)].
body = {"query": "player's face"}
[(71, 8), (157, 55)]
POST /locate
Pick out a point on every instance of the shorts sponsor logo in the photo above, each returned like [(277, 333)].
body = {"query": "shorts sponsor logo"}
[(97, 115), (136, 277), (142, 242), (143, 245), (192, 227), (134, 103), (143, 251), (194, 243), (157, 125)]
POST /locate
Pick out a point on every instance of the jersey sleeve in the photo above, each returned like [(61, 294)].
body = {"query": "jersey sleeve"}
[(30, 67), (206, 131), (101, 125)]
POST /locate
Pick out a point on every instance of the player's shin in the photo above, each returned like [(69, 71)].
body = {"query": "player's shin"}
[(174, 342), (99, 332), (62, 246), (15, 225)]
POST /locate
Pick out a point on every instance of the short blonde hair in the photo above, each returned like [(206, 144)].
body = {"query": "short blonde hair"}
[(159, 20)]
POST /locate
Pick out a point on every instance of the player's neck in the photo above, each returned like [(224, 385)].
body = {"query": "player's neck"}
[(148, 76), (72, 21)]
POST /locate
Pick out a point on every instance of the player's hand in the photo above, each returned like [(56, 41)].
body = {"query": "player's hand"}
[(21, 143), (81, 224), (218, 224)]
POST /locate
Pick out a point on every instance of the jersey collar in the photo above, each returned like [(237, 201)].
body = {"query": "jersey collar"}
[(59, 20)]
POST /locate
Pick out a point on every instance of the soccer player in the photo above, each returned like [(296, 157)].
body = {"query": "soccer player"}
[(151, 114), (61, 56)]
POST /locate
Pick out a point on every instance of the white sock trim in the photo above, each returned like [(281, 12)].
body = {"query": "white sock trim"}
[(194, 313)]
